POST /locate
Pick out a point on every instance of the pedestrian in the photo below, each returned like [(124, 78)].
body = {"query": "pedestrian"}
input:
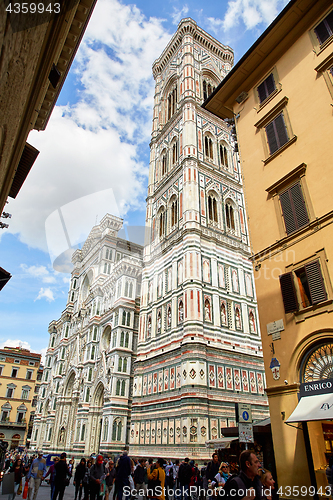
[(123, 470), (18, 469), (184, 476), (247, 480), (110, 479), (86, 480), (51, 473), (140, 479), (36, 474), (157, 478), (97, 478), (268, 490), (61, 477), (211, 471), (80, 472)]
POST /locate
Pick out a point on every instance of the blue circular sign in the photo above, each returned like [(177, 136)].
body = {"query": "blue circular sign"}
[(245, 415)]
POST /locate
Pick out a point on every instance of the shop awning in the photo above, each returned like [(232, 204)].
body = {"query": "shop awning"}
[(223, 442), (319, 407)]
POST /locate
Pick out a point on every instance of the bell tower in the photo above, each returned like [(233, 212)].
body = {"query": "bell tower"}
[(199, 348)]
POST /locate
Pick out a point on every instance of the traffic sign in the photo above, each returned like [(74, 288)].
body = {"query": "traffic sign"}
[(245, 413)]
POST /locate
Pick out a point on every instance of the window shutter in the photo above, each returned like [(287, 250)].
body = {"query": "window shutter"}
[(322, 32), (299, 205), (281, 130), (288, 293), (270, 84), (262, 92), (288, 213), (315, 282), (271, 138)]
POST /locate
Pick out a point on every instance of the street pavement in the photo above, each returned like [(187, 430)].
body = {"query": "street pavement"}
[(44, 493)]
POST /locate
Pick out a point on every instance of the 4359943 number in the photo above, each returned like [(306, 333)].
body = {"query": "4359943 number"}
[(33, 8)]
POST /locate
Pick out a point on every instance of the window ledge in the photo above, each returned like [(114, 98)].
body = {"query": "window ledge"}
[(324, 45), (280, 150), (308, 312)]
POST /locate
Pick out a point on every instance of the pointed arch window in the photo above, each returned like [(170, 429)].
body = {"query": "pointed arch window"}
[(87, 394), (124, 318), (208, 88), (83, 432), (172, 102), (212, 208), (128, 320), (90, 375), (126, 339), (122, 336), (209, 148), (118, 389), (230, 216), (123, 388), (116, 430), (124, 364), (162, 223), (120, 364), (224, 156), (164, 164), (174, 212), (174, 153)]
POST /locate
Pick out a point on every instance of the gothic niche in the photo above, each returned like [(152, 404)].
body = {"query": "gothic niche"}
[(208, 312)]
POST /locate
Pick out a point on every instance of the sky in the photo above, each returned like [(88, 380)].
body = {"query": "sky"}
[(94, 153)]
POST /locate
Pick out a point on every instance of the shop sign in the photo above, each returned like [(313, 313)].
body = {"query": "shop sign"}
[(316, 387)]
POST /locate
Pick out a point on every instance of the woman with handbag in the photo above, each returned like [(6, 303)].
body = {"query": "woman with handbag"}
[(18, 469)]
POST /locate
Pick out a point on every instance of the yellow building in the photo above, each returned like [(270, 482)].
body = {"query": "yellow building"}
[(280, 96), (18, 376)]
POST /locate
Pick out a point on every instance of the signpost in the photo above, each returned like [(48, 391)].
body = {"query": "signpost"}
[(245, 426)]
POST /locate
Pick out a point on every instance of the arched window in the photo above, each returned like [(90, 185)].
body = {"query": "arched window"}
[(229, 215), (224, 156), (90, 375), (164, 164), (124, 364), (162, 223), (209, 148), (128, 320), (106, 430), (119, 431), (174, 212), (118, 389), (87, 394), (172, 102), (208, 88), (122, 336), (124, 318), (92, 352), (95, 333), (74, 284), (60, 369), (105, 267), (123, 388), (83, 432), (52, 341), (120, 364), (212, 208), (72, 297), (126, 339), (107, 253), (126, 289), (174, 153)]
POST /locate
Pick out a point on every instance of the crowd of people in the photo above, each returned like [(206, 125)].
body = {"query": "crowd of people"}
[(101, 479)]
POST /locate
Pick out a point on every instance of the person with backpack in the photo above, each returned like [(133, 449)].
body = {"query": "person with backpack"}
[(194, 481), (97, 476), (246, 485), (140, 479), (123, 471), (156, 481)]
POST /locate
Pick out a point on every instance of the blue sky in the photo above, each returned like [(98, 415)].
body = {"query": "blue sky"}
[(94, 154)]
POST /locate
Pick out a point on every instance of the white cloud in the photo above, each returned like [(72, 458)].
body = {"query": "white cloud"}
[(45, 293), (39, 272), (95, 144), (179, 14), (251, 12), (15, 343)]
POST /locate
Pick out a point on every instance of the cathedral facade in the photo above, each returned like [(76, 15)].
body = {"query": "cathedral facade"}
[(155, 348), (84, 399)]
